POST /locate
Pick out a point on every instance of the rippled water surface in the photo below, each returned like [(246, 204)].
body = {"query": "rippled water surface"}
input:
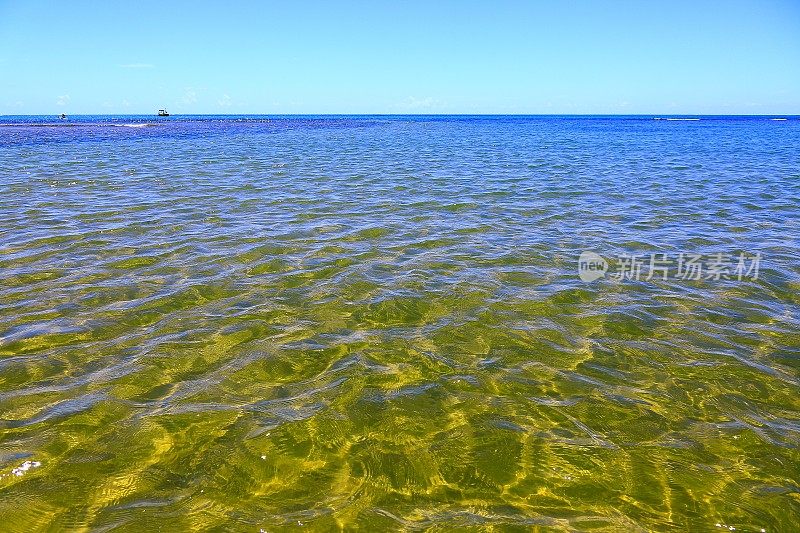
[(377, 322)]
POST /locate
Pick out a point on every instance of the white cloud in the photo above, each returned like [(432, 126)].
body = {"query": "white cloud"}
[(137, 65), (189, 96), (225, 101), (63, 100), (418, 104)]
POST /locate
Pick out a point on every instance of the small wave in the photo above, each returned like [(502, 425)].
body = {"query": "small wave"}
[(682, 119), (777, 119), (142, 125)]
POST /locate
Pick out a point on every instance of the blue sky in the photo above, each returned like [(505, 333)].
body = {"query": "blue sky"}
[(498, 56)]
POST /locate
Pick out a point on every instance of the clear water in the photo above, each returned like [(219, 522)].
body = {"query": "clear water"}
[(287, 323)]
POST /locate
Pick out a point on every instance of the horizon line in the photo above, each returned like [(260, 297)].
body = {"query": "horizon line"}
[(415, 114)]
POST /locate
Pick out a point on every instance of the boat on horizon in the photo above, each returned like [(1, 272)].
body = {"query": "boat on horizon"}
[(163, 113)]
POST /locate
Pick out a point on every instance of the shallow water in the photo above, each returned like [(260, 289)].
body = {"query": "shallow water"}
[(377, 322)]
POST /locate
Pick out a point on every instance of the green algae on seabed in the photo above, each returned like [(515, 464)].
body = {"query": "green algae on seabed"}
[(309, 335)]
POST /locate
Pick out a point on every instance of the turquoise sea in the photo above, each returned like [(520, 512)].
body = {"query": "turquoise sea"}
[(378, 323)]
